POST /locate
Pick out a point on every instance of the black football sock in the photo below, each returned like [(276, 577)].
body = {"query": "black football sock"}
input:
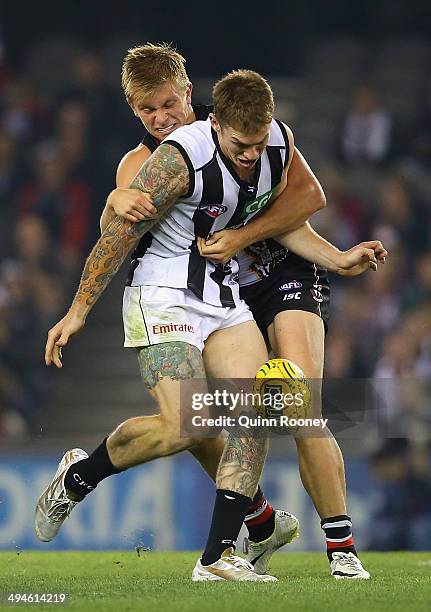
[(260, 519), (84, 476), (229, 512), (338, 532)]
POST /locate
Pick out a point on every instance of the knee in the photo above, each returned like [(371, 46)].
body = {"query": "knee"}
[(319, 446), (125, 433), (202, 448), (161, 434), (170, 445), (171, 440), (305, 445)]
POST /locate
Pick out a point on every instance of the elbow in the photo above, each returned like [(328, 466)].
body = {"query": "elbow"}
[(317, 198), (312, 198), (322, 200), (103, 223)]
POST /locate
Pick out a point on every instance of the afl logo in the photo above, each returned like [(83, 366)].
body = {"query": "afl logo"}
[(213, 210), (292, 285)]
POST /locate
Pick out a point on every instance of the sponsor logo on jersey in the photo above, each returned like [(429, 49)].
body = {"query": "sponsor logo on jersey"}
[(292, 296), (255, 205), (292, 285), (213, 210), (168, 328)]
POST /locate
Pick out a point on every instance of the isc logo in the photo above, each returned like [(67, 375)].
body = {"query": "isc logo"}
[(292, 296), (257, 204)]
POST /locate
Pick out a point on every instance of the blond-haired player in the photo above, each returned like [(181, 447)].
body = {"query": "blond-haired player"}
[(174, 175), (294, 325)]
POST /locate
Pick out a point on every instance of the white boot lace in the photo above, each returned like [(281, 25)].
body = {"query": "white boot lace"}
[(352, 562), (60, 509), (239, 562)]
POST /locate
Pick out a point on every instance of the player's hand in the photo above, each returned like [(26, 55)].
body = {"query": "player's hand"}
[(58, 336), (362, 257), (221, 246), (132, 204)]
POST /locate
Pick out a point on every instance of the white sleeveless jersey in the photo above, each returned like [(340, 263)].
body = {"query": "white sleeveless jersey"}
[(217, 199)]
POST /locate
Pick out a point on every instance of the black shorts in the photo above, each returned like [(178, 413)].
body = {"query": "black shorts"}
[(294, 284)]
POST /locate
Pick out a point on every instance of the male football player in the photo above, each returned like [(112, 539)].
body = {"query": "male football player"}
[(293, 294), (185, 286)]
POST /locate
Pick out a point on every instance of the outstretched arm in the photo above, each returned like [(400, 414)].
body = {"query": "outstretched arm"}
[(165, 177), (308, 244)]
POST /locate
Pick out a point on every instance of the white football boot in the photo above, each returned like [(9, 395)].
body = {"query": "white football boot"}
[(54, 506), (228, 567), (286, 529), (347, 565)]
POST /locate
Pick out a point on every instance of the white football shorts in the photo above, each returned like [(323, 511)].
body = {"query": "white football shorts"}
[(152, 315)]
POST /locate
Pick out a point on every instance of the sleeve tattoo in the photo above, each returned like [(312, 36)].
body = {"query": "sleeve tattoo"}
[(165, 177)]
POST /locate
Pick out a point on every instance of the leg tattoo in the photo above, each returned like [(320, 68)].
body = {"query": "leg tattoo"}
[(241, 464), (176, 360)]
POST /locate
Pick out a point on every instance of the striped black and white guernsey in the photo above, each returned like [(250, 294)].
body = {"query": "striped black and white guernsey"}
[(217, 199)]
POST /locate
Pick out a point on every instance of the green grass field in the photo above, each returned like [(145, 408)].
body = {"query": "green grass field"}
[(161, 581)]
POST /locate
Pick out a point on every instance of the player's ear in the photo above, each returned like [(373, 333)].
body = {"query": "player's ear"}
[(132, 106), (214, 123), (189, 93)]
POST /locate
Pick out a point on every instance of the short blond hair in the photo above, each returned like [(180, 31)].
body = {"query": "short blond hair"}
[(148, 66), (243, 100)]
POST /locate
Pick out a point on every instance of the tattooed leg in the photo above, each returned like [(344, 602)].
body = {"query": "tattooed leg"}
[(240, 349), (177, 362), (241, 464), (141, 439), (173, 360)]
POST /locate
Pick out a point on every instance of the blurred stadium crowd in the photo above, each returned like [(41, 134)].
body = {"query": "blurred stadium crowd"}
[(363, 120)]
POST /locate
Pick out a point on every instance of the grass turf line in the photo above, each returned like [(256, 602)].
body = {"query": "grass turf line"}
[(161, 582)]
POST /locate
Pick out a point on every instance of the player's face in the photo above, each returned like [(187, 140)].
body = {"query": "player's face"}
[(242, 150), (167, 109)]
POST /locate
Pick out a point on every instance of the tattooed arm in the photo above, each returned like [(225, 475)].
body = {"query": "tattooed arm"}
[(165, 177)]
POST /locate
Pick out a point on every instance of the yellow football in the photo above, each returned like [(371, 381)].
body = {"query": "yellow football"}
[(284, 391)]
